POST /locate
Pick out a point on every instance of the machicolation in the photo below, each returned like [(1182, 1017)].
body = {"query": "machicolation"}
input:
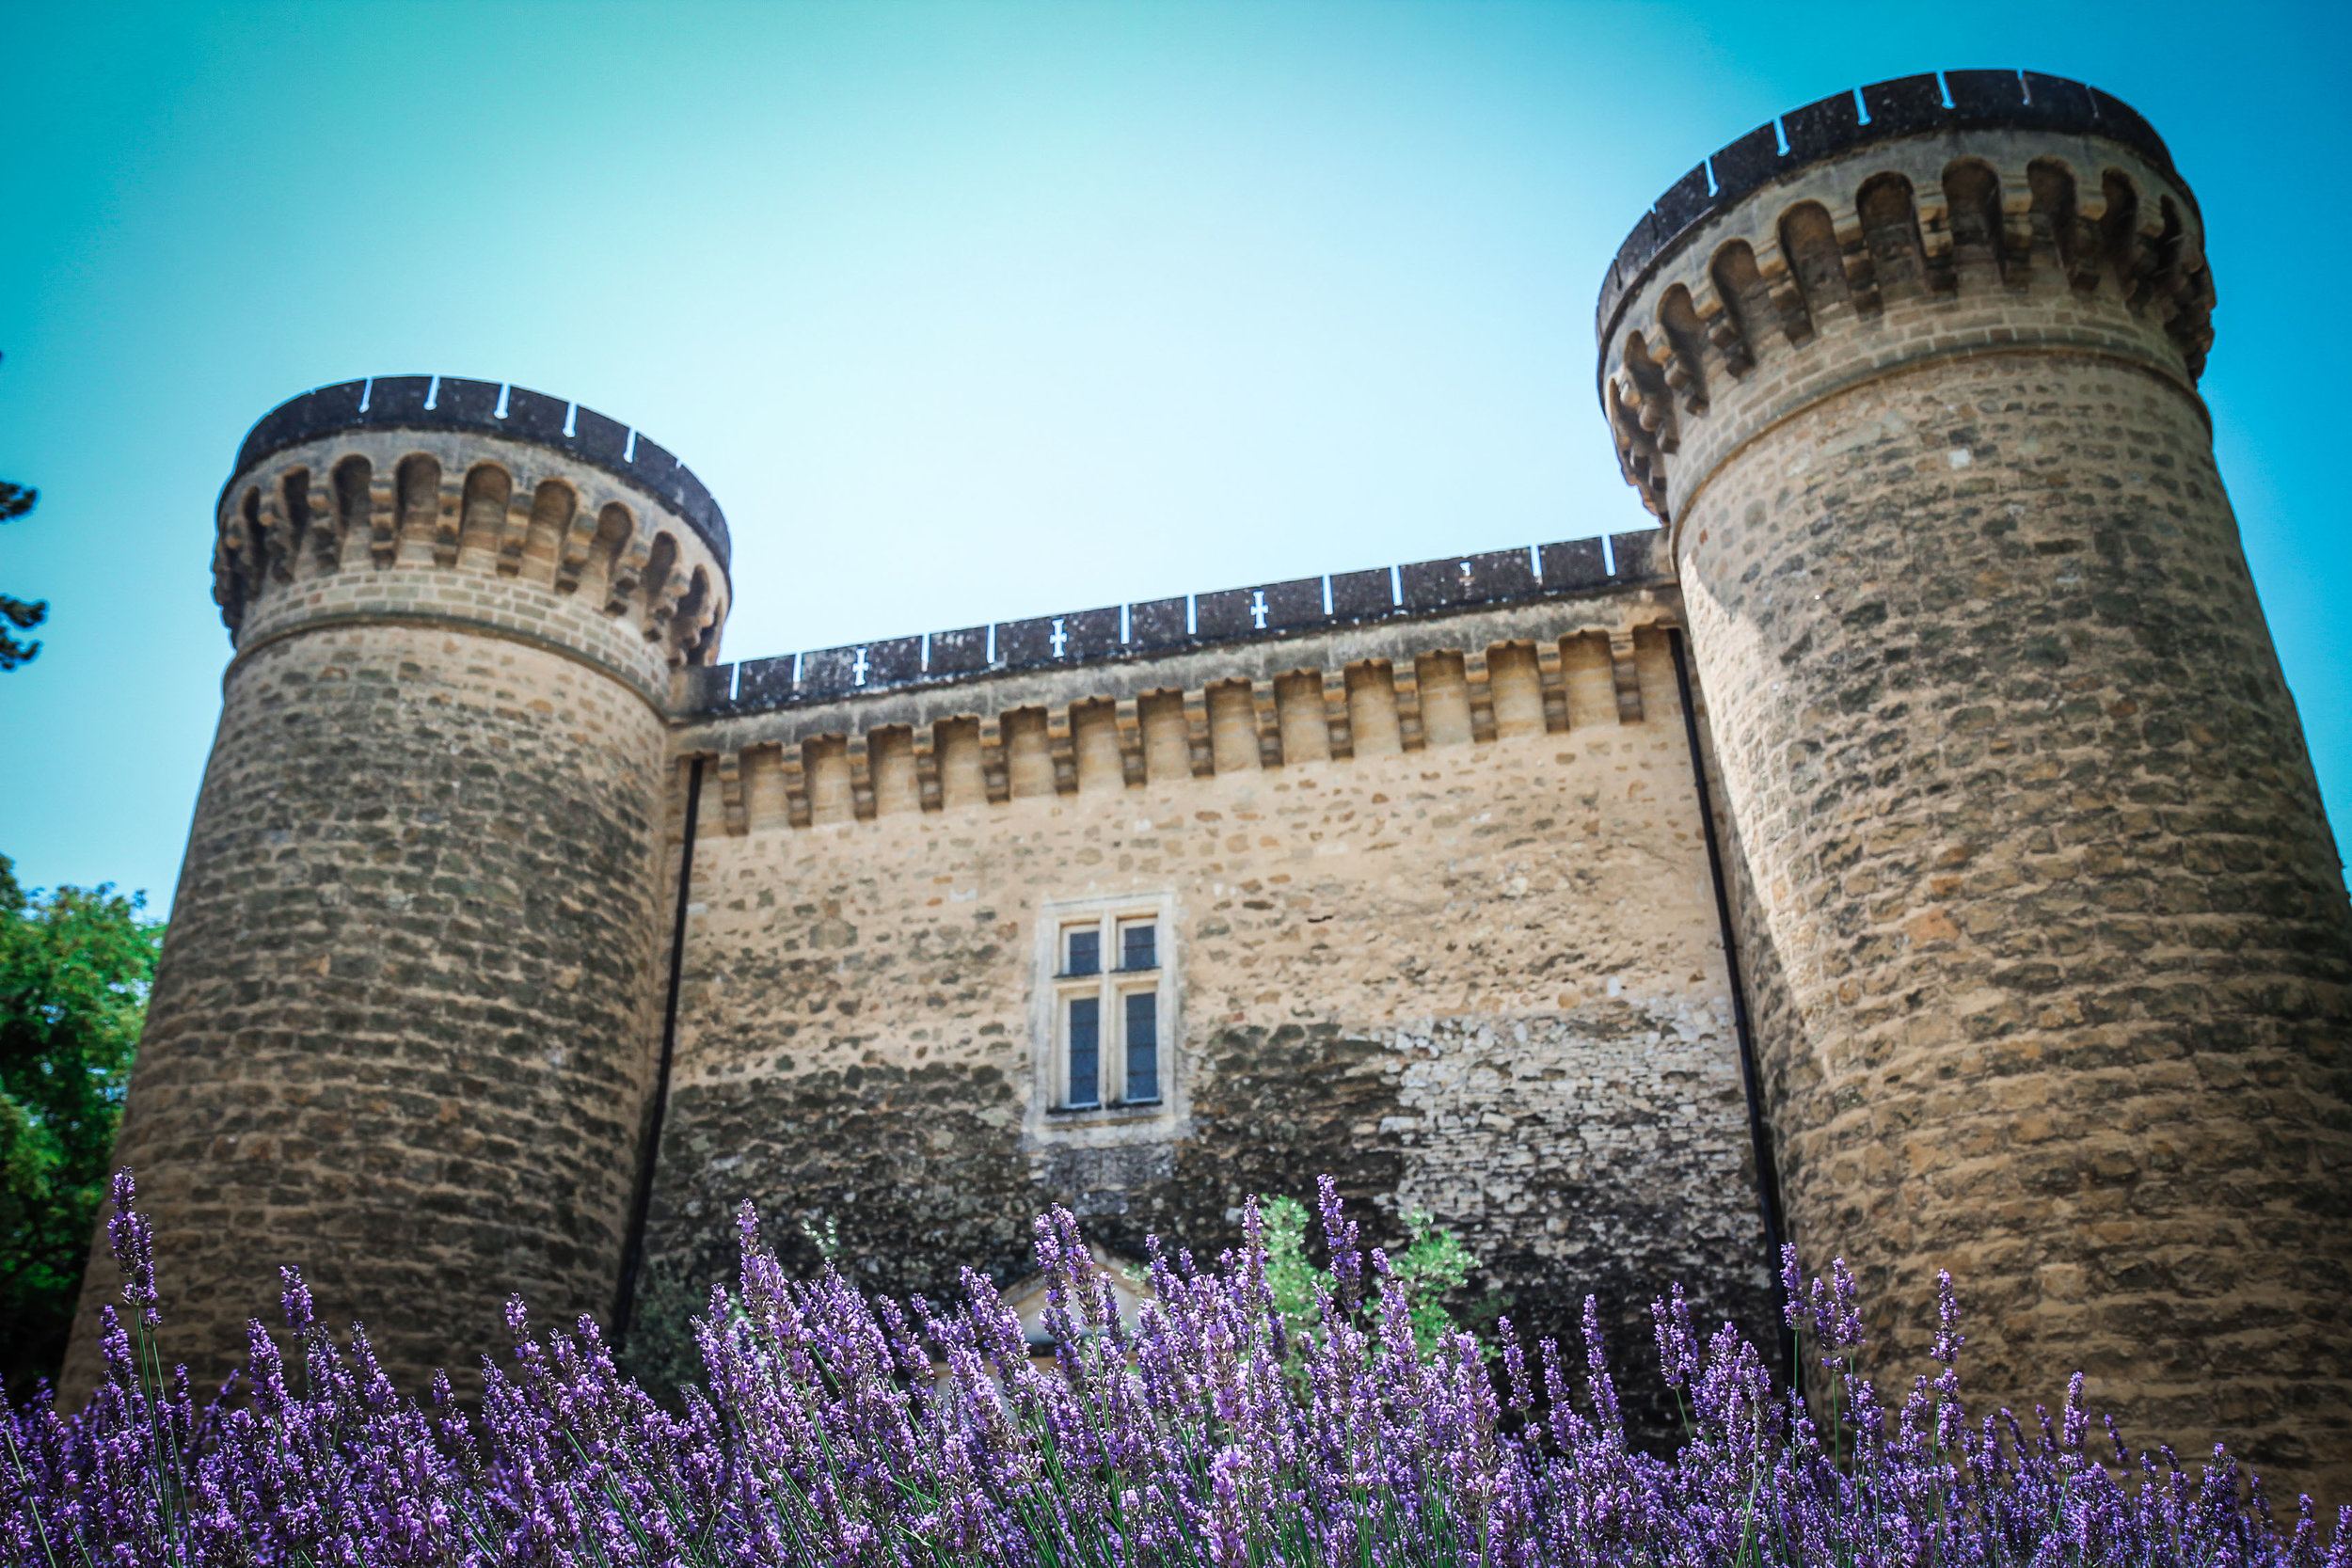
[(486, 407), (1272, 610)]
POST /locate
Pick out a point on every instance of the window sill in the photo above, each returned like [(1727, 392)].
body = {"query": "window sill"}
[(1139, 1110)]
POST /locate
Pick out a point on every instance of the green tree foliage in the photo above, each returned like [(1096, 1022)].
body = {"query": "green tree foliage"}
[(1432, 1265), (75, 967), (22, 614)]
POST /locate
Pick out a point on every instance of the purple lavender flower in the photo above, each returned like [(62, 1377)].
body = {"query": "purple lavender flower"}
[(833, 1429), (134, 1243)]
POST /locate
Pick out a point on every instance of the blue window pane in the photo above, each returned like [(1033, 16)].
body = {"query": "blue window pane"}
[(1140, 946), (1086, 952), (1084, 1049), (1143, 1046)]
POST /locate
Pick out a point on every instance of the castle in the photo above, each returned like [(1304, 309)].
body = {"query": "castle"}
[(1908, 849)]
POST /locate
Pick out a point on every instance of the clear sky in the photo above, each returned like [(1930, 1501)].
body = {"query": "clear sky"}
[(979, 311)]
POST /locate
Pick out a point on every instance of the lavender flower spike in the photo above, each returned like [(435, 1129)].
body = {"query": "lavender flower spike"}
[(832, 1429)]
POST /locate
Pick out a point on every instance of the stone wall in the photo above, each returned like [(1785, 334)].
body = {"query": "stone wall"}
[(2050, 877), (1478, 977), (398, 1035)]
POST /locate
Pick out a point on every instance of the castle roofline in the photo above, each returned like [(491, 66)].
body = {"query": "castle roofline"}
[(1863, 116), (513, 413), (1155, 627)]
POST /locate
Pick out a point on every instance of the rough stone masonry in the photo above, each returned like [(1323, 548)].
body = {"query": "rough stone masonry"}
[(1918, 826)]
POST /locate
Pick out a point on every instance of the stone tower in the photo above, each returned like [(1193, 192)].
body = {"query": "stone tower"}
[(403, 1026), (2049, 930)]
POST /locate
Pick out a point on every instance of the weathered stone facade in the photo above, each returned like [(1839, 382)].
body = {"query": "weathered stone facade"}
[(402, 1031), (2042, 939), (1479, 977)]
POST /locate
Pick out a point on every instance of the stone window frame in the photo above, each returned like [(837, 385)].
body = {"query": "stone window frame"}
[(1051, 991)]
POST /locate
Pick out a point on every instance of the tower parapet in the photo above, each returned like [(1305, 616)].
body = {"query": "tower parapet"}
[(553, 503), (1944, 211), (2057, 959), (402, 1027)]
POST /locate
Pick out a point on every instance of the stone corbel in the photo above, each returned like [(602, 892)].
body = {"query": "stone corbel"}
[(1197, 735), (1129, 718), (1405, 679), (2017, 228), (1062, 748), (1626, 677), (793, 763), (275, 552), (326, 528), (228, 567), (690, 636), (580, 542), (1723, 331), (996, 774), (664, 604), (1265, 706), (1780, 282), (1686, 377), (382, 521), (627, 571), (1552, 678), (927, 793), (449, 518), (521, 500), (1862, 271), (1646, 392), (1482, 695), (1935, 239), (861, 777), (2084, 258), (1338, 724), (731, 805)]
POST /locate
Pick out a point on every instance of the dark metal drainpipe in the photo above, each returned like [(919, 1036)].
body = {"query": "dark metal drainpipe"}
[(1767, 1167), (633, 1255)]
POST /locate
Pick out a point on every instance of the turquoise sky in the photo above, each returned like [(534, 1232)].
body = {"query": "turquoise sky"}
[(971, 312)]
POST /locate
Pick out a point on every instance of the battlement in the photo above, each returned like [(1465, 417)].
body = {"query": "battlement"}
[(1861, 117), (516, 413), (2047, 227), (1155, 626)]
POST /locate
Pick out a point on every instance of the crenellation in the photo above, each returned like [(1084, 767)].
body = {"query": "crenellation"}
[(1299, 607), (1904, 108), (510, 414)]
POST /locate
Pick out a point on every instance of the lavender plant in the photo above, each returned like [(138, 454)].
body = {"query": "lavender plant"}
[(833, 1429)]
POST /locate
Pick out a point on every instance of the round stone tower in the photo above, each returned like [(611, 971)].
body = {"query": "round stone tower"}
[(403, 1026), (2049, 931)]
